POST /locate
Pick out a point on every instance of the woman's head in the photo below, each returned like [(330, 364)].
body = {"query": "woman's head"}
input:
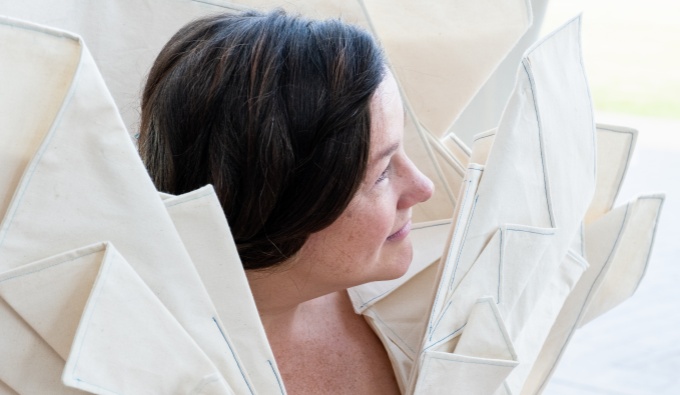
[(369, 240), (275, 112)]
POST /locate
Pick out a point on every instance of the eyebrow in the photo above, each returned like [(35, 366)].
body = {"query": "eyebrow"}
[(386, 152)]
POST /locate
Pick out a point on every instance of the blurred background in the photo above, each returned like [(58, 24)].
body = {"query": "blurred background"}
[(632, 57)]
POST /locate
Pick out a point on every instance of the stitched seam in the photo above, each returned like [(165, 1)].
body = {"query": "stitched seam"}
[(373, 298), (460, 251), (33, 165), (590, 291), (500, 363), (441, 317), (500, 265), (432, 327), (625, 168), (462, 246), (460, 215), (445, 338), (278, 379), (540, 141), (87, 321), (483, 137), (377, 316), (651, 243), (500, 268), (628, 157), (359, 295), (50, 266), (455, 231), (433, 226), (233, 354), (536, 232), (450, 251)]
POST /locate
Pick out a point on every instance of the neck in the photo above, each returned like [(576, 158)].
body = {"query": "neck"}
[(283, 296)]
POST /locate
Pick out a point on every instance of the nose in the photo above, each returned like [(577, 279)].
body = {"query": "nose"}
[(417, 187)]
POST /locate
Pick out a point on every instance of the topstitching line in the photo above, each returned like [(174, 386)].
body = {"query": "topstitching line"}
[(590, 291), (540, 142)]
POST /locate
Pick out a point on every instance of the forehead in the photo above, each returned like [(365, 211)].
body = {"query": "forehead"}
[(387, 118)]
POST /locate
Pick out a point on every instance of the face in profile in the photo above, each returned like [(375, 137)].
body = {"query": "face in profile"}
[(369, 241)]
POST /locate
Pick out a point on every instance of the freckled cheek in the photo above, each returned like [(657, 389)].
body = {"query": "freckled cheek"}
[(369, 224), (379, 228)]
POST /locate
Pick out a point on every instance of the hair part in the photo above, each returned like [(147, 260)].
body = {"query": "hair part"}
[(271, 109)]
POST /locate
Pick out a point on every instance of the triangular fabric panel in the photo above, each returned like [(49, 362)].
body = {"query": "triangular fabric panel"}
[(607, 243), (200, 221), (630, 258), (28, 353), (430, 41), (527, 183), (615, 145), (86, 184)]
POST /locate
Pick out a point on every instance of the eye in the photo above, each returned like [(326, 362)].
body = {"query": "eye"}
[(384, 175)]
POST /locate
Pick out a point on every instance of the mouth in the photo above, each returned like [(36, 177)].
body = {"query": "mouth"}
[(401, 233)]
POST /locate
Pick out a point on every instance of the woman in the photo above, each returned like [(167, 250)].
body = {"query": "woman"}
[(298, 124)]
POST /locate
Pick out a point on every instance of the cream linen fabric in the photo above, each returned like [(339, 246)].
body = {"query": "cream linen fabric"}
[(513, 282), (428, 42), (124, 37), (82, 183), (90, 303), (94, 263), (440, 52)]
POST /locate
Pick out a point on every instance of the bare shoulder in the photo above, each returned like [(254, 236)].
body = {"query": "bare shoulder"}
[(332, 350)]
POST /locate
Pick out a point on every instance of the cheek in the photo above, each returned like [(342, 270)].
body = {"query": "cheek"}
[(360, 233), (371, 223), (354, 249)]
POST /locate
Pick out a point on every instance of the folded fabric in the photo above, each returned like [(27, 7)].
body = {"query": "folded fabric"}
[(200, 222), (514, 267), (440, 52), (430, 41), (100, 317), (109, 287), (80, 181)]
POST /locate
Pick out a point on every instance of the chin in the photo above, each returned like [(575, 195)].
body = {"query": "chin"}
[(397, 264)]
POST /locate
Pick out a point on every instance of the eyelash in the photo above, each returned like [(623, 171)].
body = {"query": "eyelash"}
[(384, 174)]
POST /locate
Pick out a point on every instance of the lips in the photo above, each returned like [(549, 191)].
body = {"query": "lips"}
[(401, 233)]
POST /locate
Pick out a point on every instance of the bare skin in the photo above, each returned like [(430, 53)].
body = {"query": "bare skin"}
[(321, 346), (328, 349)]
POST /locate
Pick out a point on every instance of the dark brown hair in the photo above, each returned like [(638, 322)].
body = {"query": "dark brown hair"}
[(271, 109)]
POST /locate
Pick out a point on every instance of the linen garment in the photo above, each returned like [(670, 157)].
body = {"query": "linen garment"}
[(513, 281), (108, 287), (459, 45), (78, 182)]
